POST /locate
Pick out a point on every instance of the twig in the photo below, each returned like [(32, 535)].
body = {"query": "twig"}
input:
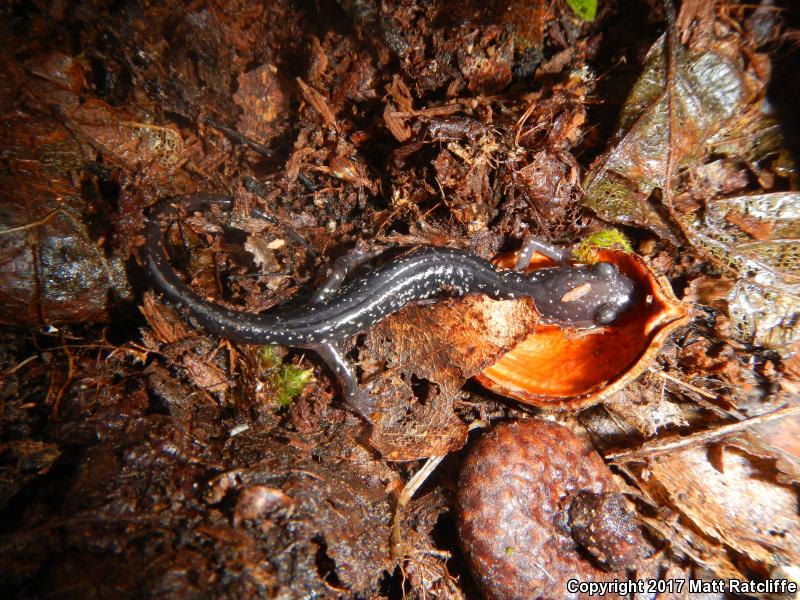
[(18, 366), (411, 488), (703, 393), (67, 381), (33, 224), (701, 437), (237, 136), (670, 59)]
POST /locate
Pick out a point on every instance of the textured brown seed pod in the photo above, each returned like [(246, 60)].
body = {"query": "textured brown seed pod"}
[(556, 368), (530, 493)]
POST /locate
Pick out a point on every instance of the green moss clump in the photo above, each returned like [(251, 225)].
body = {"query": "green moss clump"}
[(612, 239), (288, 381), (584, 9), (268, 358)]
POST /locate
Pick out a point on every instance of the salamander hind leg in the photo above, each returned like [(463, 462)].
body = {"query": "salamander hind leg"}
[(341, 268), (337, 362)]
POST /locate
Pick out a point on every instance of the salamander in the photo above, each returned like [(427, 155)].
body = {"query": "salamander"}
[(575, 296)]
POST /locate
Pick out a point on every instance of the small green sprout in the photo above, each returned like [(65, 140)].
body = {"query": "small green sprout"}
[(607, 238), (288, 381)]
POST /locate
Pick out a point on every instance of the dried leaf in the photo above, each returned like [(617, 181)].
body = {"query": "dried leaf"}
[(709, 90), (453, 340), (757, 238), (764, 315), (442, 345), (729, 505), (775, 441), (410, 430), (169, 329), (719, 233), (52, 268), (263, 103)]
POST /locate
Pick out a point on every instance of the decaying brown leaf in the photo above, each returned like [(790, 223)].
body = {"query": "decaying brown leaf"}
[(441, 346), (263, 103), (733, 486), (182, 348), (729, 506), (765, 315), (709, 91), (754, 236), (53, 267), (777, 441), (757, 238)]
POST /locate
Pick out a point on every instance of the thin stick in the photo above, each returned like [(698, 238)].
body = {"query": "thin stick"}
[(33, 224), (670, 73), (411, 488), (701, 437), (18, 366), (703, 393), (688, 386), (670, 85)]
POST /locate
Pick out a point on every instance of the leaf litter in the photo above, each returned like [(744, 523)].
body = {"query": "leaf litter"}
[(144, 458)]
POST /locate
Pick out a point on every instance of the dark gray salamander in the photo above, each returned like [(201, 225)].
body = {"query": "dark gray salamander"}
[(570, 295)]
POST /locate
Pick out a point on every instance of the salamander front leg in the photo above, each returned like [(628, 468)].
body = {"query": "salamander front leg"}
[(342, 267), (532, 245), (357, 398)]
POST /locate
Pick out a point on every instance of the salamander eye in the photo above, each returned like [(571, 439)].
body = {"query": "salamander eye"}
[(604, 269), (605, 314)]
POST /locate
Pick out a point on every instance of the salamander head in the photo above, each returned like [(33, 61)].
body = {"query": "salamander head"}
[(582, 296)]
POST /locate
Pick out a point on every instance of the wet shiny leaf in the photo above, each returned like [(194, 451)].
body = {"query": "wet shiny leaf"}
[(708, 92), (764, 315), (758, 238)]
